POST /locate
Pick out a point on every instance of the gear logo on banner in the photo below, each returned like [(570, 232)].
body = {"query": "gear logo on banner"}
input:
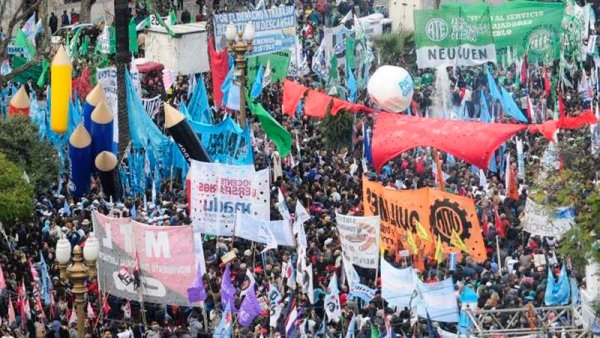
[(436, 29), (446, 217)]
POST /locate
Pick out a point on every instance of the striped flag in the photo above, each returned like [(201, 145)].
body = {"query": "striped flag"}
[(452, 261)]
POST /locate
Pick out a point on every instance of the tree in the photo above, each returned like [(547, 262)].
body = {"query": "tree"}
[(337, 130), (16, 195), (20, 142), (396, 49), (122, 60), (22, 13), (85, 11)]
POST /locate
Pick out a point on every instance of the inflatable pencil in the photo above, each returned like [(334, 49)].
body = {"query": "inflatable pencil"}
[(19, 104), (187, 141), (80, 155), (92, 100), (60, 93), (101, 129), (106, 163)]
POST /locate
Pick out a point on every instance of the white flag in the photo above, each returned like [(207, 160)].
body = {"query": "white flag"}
[(282, 206), (271, 240), (274, 305), (267, 75), (333, 309)]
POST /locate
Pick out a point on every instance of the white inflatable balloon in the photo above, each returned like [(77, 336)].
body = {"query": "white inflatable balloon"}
[(391, 88)]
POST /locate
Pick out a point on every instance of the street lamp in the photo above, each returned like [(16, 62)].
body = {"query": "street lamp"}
[(240, 43), (77, 272)]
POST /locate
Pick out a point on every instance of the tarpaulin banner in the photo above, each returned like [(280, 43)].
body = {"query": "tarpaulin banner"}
[(538, 221), (280, 62), (225, 142), (448, 36), (440, 213), (220, 191), (359, 237), (275, 28), (107, 77), (167, 267), (397, 285), (437, 301), (527, 26), (248, 228)]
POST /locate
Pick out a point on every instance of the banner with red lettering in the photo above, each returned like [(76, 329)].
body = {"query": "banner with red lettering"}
[(166, 265), (220, 191)]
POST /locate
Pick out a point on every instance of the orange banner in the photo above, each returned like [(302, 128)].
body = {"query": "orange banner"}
[(440, 213)]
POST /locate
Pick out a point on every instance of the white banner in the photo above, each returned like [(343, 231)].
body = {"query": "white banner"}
[(107, 77), (248, 228), (219, 191), (463, 55), (360, 239), (538, 221)]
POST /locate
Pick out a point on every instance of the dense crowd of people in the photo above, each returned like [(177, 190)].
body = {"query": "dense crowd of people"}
[(326, 182)]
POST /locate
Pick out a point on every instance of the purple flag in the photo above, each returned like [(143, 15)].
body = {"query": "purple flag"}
[(227, 290), (196, 292), (250, 308)]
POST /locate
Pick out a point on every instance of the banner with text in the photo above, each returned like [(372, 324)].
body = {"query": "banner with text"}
[(220, 191), (167, 269), (449, 37), (279, 61), (440, 213), (107, 77), (538, 221), (249, 228), (225, 142), (522, 26), (360, 239), (275, 28)]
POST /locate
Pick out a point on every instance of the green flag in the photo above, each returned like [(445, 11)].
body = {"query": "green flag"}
[(172, 17), (21, 40), (375, 332), (73, 46), (85, 46), (333, 69), (280, 62), (133, 45), (350, 57), (42, 79), (275, 131)]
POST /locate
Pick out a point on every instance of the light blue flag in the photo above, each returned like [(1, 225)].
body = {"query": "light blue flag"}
[(510, 106), (484, 114), (133, 212), (575, 299), (452, 261), (351, 85), (184, 110), (350, 332), (46, 280), (257, 86), (65, 209), (233, 101), (437, 300), (225, 325), (397, 285), (493, 167), (494, 91), (202, 104), (558, 292), (227, 84)]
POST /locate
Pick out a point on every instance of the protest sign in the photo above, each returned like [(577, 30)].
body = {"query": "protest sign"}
[(448, 36), (359, 237), (397, 285), (527, 27), (275, 28), (440, 213), (107, 77), (248, 228), (225, 142), (280, 62), (220, 191), (538, 221), (166, 267), (437, 300)]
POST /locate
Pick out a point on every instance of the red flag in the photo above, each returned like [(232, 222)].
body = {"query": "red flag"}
[(524, 71), (530, 111), (292, 93), (40, 309), (547, 83), (219, 67), (105, 305), (51, 306), (499, 224), (127, 310), (316, 103)]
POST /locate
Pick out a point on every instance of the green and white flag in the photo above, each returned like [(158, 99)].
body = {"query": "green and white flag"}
[(449, 36)]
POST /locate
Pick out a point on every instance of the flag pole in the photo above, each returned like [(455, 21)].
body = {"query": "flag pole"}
[(498, 254)]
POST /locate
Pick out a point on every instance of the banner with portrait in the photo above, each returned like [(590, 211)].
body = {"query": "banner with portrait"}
[(359, 237)]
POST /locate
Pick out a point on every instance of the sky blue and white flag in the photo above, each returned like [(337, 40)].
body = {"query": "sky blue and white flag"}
[(351, 328), (233, 101), (257, 86), (575, 299), (397, 285), (225, 325), (558, 292), (493, 167), (365, 293), (484, 115), (494, 91), (437, 300), (228, 82), (65, 209), (452, 261), (46, 280), (351, 85)]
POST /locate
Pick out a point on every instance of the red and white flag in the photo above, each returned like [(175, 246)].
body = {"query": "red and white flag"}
[(90, 311)]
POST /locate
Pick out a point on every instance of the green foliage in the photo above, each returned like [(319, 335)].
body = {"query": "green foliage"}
[(20, 142), (396, 49), (16, 195), (337, 130)]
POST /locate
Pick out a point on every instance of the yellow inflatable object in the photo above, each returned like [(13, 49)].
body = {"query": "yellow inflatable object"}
[(60, 84)]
